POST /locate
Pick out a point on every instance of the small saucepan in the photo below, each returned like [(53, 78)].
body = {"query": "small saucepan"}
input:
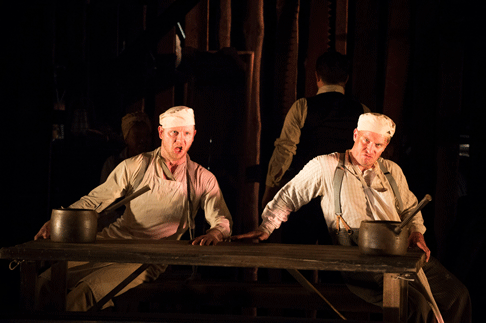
[(387, 238), (80, 225)]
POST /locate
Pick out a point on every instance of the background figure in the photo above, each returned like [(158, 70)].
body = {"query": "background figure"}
[(317, 125), (137, 135)]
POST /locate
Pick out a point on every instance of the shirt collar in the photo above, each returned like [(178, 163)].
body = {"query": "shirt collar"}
[(331, 88), (168, 174), (353, 166)]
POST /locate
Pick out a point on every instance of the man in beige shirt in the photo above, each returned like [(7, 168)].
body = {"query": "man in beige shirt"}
[(178, 188)]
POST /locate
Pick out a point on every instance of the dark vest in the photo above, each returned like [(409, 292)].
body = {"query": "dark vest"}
[(331, 119)]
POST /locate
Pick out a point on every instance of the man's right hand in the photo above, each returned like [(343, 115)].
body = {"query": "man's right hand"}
[(257, 234), (44, 232)]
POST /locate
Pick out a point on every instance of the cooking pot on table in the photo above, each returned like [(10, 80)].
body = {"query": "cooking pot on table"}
[(387, 238), (81, 225)]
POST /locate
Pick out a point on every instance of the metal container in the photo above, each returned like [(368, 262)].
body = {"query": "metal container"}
[(378, 238), (81, 225), (387, 238), (74, 225)]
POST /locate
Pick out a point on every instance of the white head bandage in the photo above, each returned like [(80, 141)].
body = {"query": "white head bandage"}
[(131, 118), (177, 117), (376, 122)]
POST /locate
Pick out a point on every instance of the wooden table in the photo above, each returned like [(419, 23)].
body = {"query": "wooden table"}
[(227, 254)]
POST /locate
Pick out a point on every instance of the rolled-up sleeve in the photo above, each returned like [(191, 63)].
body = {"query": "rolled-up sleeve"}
[(103, 195), (215, 209), (286, 144), (305, 186)]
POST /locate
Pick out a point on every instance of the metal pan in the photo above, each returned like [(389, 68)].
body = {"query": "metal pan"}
[(80, 225), (387, 238)]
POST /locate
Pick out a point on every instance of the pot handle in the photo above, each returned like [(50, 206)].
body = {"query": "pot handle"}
[(128, 199), (409, 217)]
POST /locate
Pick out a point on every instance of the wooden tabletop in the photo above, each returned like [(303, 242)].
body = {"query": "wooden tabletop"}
[(226, 254)]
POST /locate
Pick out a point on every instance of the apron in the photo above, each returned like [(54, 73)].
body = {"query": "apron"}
[(167, 200)]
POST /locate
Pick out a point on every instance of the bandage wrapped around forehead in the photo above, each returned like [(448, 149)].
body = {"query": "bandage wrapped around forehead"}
[(376, 122), (179, 116), (131, 118)]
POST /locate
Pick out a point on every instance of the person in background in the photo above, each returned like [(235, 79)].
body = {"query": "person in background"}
[(178, 188), (314, 126), (137, 135), (368, 193)]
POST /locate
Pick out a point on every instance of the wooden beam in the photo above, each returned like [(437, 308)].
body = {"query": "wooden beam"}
[(395, 292)]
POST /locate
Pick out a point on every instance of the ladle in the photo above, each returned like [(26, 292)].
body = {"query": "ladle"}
[(409, 216)]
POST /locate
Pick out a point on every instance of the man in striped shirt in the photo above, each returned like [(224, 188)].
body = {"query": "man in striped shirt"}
[(366, 194)]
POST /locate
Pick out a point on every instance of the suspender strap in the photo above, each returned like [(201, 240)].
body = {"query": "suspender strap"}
[(338, 180), (189, 199), (393, 185), (337, 183)]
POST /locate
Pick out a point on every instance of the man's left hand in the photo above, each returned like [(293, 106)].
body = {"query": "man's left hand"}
[(417, 239), (212, 237)]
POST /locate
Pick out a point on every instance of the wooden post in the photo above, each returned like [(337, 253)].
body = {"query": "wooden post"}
[(395, 293), (225, 24), (197, 26), (318, 42)]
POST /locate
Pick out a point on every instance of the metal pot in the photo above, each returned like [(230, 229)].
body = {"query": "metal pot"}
[(74, 225), (378, 238), (81, 225), (387, 238)]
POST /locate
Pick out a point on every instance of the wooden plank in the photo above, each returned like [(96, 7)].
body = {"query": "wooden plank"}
[(228, 254), (232, 254)]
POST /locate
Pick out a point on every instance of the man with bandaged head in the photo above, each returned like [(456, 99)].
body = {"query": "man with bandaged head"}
[(178, 187), (136, 129), (367, 193)]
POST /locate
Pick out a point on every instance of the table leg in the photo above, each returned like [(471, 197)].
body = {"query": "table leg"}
[(28, 281), (395, 303), (59, 271)]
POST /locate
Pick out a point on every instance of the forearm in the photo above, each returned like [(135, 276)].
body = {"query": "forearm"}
[(280, 161), (286, 144), (295, 194), (216, 212), (103, 195)]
